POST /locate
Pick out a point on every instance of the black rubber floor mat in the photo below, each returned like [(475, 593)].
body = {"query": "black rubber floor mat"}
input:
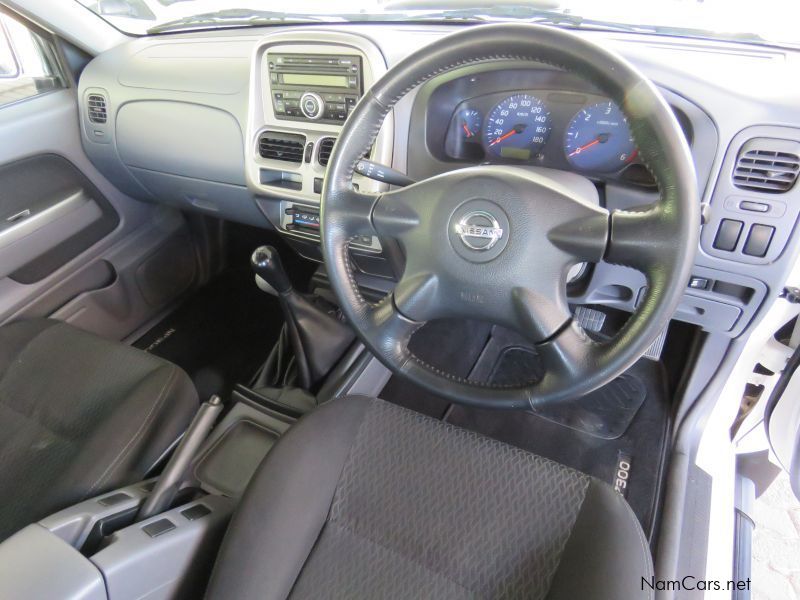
[(507, 359), (221, 335)]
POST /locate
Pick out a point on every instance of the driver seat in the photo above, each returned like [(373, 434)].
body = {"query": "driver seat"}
[(364, 499)]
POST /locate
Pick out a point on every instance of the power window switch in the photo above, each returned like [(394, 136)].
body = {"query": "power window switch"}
[(758, 240), (728, 235)]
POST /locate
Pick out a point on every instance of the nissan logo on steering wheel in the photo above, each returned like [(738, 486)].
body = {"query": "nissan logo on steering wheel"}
[(479, 230)]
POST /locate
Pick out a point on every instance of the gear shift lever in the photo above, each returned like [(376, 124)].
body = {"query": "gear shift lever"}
[(266, 263), (318, 339)]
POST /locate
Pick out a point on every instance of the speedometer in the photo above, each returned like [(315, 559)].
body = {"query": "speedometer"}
[(598, 139), (517, 128)]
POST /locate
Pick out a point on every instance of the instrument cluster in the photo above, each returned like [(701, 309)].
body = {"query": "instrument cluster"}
[(560, 129)]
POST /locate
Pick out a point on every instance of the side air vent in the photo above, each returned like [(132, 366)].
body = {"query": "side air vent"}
[(324, 150), (767, 165), (97, 109), (287, 147)]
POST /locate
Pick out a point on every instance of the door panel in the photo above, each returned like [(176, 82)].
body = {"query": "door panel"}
[(782, 420), (49, 214), (100, 259)]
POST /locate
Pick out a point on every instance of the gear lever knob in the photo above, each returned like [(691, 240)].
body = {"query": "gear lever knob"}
[(266, 262)]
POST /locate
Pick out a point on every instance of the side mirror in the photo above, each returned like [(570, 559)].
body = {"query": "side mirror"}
[(9, 66)]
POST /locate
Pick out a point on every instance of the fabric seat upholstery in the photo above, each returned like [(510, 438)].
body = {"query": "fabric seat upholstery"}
[(364, 499), (79, 415)]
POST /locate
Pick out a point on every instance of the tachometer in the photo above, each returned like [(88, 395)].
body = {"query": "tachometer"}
[(517, 128), (598, 139)]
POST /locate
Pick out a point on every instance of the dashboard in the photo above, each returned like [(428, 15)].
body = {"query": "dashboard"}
[(240, 124)]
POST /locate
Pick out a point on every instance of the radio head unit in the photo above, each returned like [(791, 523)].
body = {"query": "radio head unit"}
[(314, 87)]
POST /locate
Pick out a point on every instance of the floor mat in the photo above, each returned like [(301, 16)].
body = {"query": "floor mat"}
[(508, 359), (221, 335)]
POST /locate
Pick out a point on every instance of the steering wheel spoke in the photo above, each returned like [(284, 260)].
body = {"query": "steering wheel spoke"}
[(352, 214), (395, 214), (539, 316), (641, 238), (417, 296), (390, 329), (568, 357)]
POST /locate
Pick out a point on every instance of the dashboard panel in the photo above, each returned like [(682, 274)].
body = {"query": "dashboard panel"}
[(187, 114)]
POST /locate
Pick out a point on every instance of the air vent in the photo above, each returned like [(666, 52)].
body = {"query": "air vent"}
[(287, 147), (324, 150), (98, 112), (767, 165)]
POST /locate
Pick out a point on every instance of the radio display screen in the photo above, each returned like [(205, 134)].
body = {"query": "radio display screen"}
[(314, 80)]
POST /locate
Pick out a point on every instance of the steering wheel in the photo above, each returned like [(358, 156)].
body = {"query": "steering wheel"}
[(495, 243)]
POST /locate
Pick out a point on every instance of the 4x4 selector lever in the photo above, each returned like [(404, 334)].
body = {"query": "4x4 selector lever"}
[(312, 105)]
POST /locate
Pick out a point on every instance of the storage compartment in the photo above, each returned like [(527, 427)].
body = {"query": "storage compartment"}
[(231, 462), (181, 139), (236, 447)]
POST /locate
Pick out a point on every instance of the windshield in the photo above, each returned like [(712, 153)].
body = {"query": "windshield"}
[(766, 21)]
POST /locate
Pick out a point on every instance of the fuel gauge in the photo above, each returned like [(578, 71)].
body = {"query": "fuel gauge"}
[(468, 122), (463, 141)]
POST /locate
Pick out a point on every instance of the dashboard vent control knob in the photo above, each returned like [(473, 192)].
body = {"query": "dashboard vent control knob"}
[(312, 105)]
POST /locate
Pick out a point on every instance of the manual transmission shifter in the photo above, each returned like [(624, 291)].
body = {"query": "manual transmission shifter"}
[(317, 339), (266, 263)]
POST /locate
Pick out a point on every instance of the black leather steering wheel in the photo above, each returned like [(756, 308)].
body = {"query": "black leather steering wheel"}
[(496, 242)]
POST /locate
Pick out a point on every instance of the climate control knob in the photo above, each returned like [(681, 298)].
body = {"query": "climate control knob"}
[(311, 105)]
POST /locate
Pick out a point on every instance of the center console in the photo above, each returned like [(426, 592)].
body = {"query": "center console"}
[(104, 549), (303, 88)]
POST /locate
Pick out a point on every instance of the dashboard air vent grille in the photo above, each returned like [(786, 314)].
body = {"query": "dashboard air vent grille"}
[(767, 165), (287, 147), (324, 150), (98, 112)]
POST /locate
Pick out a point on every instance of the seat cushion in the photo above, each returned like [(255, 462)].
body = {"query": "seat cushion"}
[(79, 415), (364, 499)]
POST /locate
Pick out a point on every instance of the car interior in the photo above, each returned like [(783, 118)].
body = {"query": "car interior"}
[(411, 299)]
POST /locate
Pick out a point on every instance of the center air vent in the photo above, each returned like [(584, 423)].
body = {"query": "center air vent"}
[(767, 165), (287, 147), (97, 110), (324, 150)]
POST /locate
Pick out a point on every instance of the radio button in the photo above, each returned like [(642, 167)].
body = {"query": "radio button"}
[(312, 105)]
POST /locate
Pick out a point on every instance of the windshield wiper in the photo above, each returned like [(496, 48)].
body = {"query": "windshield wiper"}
[(238, 17)]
